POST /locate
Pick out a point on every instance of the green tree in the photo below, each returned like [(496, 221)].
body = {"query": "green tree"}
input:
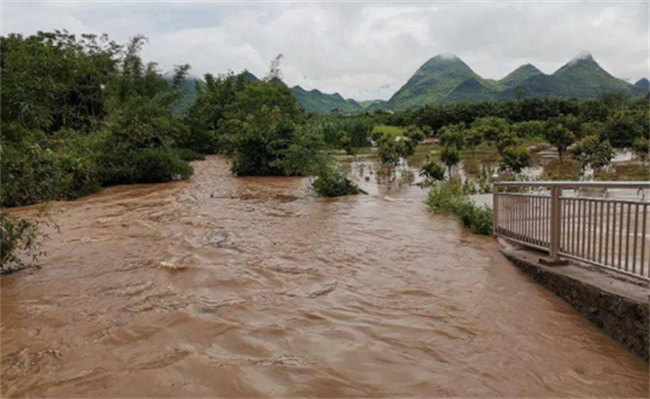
[(432, 171), (560, 137), (415, 134), (450, 156), (473, 138), (207, 113), (507, 139), (593, 152), (453, 135), (529, 129), (624, 126), (491, 128), (515, 158), (261, 125), (641, 148)]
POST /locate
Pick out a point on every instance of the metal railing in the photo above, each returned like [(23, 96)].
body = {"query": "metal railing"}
[(602, 223)]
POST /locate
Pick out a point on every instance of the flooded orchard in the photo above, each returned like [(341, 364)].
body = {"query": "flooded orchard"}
[(285, 294)]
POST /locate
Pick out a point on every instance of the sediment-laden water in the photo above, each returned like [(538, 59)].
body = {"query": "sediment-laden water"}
[(280, 293)]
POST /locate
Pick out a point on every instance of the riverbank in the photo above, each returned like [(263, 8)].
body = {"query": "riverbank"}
[(287, 294)]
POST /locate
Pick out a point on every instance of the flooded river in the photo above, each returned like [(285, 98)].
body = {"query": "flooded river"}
[(285, 294)]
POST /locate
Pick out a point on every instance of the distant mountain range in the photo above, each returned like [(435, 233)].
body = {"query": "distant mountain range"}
[(446, 79)]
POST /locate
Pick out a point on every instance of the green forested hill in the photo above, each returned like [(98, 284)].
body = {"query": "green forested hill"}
[(447, 79), (519, 75), (433, 81), (323, 103)]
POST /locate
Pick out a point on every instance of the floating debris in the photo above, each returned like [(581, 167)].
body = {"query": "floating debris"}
[(173, 266)]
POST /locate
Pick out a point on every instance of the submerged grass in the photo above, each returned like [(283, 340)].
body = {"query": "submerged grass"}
[(448, 198)]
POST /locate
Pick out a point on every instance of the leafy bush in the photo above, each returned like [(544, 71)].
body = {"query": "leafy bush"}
[(36, 169), (515, 158), (261, 125), (449, 198), (392, 149), (450, 156), (453, 136), (330, 182), (20, 238), (529, 129), (432, 171), (149, 165), (593, 152), (346, 133)]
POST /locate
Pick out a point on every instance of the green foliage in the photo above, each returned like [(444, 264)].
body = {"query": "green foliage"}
[(330, 182), (591, 151), (491, 128), (342, 132), (473, 138), (515, 158), (624, 126), (415, 134), (560, 137), (450, 156), (449, 198), (81, 112), (148, 165), (453, 136), (262, 126), (507, 139), (20, 239), (529, 129), (55, 80), (432, 171), (392, 149), (36, 168), (641, 147), (207, 113)]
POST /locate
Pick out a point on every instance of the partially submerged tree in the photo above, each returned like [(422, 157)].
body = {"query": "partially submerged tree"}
[(515, 158), (432, 171), (592, 152), (453, 135), (560, 137), (450, 156)]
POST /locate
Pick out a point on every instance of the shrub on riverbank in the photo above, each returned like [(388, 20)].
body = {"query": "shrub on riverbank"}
[(449, 198), (20, 239)]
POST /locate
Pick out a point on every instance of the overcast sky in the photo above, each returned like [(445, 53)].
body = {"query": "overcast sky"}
[(362, 50)]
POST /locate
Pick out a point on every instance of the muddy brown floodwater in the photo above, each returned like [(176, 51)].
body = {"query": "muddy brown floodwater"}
[(285, 295)]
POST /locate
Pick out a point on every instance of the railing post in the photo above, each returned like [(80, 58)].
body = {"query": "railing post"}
[(556, 230), (495, 210)]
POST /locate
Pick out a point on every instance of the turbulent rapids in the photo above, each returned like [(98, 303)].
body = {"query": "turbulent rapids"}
[(244, 287)]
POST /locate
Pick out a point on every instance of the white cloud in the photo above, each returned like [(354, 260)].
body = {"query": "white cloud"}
[(360, 50)]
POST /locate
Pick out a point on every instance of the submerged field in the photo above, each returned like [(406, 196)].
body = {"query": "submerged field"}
[(242, 287)]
